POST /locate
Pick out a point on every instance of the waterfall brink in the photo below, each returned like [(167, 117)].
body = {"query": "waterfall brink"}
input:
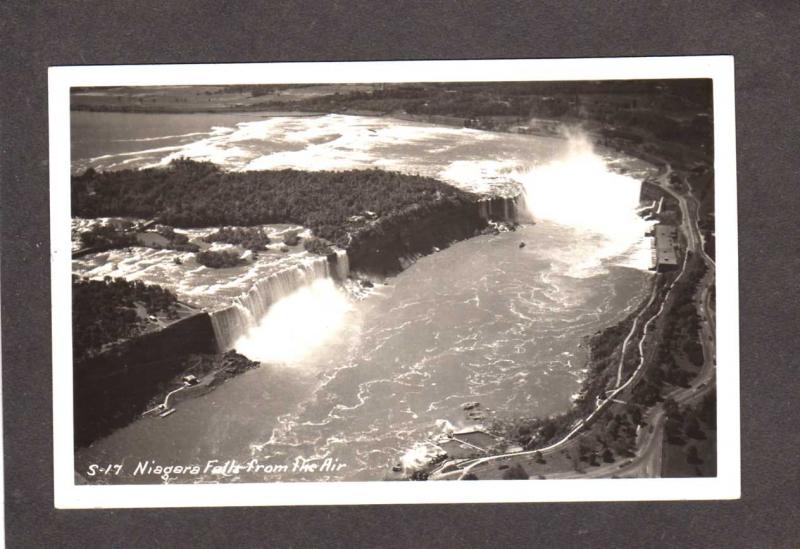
[(582, 192), (508, 209), (248, 309)]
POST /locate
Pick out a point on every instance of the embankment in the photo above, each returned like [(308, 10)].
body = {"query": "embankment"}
[(389, 245), (382, 248)]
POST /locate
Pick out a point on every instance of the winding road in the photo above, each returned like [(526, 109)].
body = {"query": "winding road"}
[(648, 460)]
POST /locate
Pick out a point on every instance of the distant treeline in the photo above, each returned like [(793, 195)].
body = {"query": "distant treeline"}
[(467, 100), (199, 194), (509, 99)]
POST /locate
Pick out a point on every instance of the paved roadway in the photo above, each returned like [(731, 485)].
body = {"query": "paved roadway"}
[(648, 461)]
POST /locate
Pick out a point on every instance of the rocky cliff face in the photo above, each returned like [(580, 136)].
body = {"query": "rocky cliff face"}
[(388, 245), (382, 248), (112, 388)]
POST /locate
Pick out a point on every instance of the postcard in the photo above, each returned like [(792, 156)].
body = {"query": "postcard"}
[(371, 282)]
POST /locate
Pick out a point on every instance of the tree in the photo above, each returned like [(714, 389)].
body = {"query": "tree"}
[(674, 431), (692, 426), (671, 408), (517, 472), (692, 457), (290, 238)]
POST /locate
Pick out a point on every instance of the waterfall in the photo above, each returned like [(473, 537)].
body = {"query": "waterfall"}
[(580, 191), (342, 265), (248, 309), (508, 209)]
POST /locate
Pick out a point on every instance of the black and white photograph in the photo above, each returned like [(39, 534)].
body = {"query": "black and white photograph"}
[(369, 282)]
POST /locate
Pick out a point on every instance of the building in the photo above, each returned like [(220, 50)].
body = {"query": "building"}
[(467, 443), (666, 248), (190, 380)]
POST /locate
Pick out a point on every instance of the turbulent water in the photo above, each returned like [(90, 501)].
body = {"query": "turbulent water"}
[(309, 281), (487, 320), (473, 159)]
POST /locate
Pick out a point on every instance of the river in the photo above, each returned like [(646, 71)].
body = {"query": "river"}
[(486, 320)]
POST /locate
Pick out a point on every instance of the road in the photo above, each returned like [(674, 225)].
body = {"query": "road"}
[(164, 405), (648, 461)]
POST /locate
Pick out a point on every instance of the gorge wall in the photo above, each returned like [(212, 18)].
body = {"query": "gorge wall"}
[(385, 248), (113, 387)]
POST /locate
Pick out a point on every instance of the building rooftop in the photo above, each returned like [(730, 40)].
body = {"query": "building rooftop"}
[(666, 244)]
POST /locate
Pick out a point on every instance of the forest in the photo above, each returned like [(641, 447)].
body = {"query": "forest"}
[(249, 238), (107, 236), (219, 259), (104, 311), (198, 194)]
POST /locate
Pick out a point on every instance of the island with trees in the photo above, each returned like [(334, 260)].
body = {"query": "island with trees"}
[(408, 215)]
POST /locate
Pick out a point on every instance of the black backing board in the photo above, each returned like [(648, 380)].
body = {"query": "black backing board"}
[(762, 36)]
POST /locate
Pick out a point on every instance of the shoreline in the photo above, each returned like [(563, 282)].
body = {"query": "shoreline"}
[(463, 467), (567, 427)]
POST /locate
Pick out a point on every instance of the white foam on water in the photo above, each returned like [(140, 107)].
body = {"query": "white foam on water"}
[(297, 325), (160, 138)]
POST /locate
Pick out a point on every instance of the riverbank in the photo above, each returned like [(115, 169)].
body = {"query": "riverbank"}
[(199, 375), (542, 439), (431, 216), (616, 427), (599, 427)]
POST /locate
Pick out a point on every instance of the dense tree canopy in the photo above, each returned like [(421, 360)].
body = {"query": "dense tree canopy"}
[(250, 238), (219, 259), (199, 194), (104, 311)]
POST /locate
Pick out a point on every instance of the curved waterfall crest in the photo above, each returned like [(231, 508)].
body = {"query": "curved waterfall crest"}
[(508, 209), (249, 308)]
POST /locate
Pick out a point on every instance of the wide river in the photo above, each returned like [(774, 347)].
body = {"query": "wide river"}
[(484, 320)]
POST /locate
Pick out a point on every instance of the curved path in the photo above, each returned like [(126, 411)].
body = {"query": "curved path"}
[(469, 465), (164, 405), (648, 459)]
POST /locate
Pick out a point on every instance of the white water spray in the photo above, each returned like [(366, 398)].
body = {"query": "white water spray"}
[(297, 325), (580, 191)]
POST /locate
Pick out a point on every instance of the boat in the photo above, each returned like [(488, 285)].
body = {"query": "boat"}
[(168, 412)]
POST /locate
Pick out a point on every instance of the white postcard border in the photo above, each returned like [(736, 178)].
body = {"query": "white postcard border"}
[(726, 485)]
